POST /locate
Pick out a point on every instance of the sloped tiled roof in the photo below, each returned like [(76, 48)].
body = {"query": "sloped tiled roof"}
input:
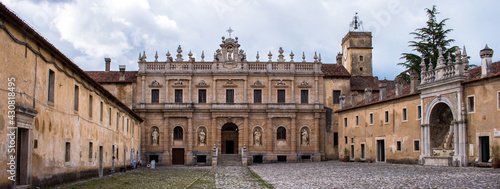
[(334, 70), (359, 83), (112, 76), (10, 17), (475, 73)]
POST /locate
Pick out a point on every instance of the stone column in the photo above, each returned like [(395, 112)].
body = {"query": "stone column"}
[(245, 131), (166, 90), (422, 141), (143, 98), (463, 143), (293, 91), (190, 134), (190, 91), (269, 92), (214, 92), (245, 93), (316, 101), (316, 132), (214, 130), (456, 134), (427, 141), (269, 136), (294, 140)]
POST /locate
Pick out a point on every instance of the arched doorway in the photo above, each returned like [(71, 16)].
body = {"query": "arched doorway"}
[(441, 130), (229, 138)]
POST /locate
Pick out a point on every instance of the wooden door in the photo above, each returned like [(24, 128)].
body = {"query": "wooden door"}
[(178, 156)]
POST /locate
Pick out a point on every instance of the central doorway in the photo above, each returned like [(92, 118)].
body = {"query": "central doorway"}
[(229, 138)]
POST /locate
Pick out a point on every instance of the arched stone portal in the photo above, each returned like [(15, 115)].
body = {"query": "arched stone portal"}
[(441, 130), (229, 138)]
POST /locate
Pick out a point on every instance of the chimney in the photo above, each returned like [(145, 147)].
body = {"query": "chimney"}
[(342, 101), (383, 90), (122, 72), (354, 98), (399, 86), (368, 95), (339, 59), (486, 55), (108, 63), (414, 81)]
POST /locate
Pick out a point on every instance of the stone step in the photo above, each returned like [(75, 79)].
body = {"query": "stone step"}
[(229, 160)]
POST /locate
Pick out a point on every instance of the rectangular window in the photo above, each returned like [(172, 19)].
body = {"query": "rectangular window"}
[(109, 114), (281, 96), (398, 146), (416, 145), (386, 117), (229, 96), (371, 118), (346, 141), (470, 104), (419, 112), (405, 114), (90, 151), (90, 106), (357, 120), (257, 96), (336, 96), (76, 98), (363, 151), (345, 121), (67, 153), (202, 96), (361, 58), (117, 120), (52, 82), (304, 96), (335, 139), (155, 95), (178, 95), (101, 111)]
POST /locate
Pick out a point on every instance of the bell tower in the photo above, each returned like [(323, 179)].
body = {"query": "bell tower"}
[(357, 49)]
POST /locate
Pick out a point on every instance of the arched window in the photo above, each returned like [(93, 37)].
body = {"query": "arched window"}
[(178, 133), (281, 134)]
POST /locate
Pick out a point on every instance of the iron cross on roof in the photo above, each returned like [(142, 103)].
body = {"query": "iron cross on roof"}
[(230, 31)]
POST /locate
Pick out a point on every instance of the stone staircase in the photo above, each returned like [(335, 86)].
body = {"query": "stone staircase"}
[(229, 160)]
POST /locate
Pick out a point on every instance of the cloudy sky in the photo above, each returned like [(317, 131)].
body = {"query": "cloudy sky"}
[(87, 31)]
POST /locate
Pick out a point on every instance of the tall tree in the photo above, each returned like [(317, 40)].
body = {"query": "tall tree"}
[(426, 43)]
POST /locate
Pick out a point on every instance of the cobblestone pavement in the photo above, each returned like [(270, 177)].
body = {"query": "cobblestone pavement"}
[(234, 177), (335, 174)]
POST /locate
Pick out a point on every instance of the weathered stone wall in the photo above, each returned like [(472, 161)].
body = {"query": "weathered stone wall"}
[(395, 130), (29, 60)]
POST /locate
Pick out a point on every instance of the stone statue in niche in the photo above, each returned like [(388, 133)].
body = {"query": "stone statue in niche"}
[(155, 135), (202, 137), (257, 136), (305, 137)]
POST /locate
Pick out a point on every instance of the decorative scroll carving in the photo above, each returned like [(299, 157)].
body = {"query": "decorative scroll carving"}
[(230, 83), (257, 84), (202, 84), (178, 84), (281, 84), (155, 84), (304, 84)]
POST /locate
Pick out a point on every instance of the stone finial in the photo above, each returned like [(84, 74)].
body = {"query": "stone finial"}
[(458, 56), (465, 59), (315, 57), (144, 55), (270, 56), (303, 57), (291, 56), (140, 57), (203, 56), (449, 59), (423, 67), (156, 56), (179, 55), (280, 56), (319, 58), (257, 57), (190, 54), (169, 59), (440, 62)]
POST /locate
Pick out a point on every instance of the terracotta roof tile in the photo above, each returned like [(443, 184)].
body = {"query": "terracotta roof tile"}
[(475, 73), (112, 76), (332, 70), (359, 83)]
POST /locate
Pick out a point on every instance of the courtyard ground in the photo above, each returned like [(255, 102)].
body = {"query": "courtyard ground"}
[(329, 174)]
